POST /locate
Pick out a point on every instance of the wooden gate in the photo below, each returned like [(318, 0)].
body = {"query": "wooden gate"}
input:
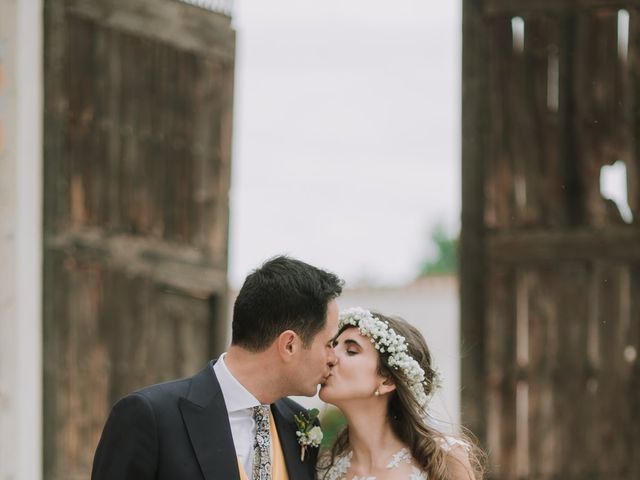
[(550, 276), (138, 114)]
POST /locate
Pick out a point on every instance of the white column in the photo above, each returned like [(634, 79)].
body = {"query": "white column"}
[(21, 239)]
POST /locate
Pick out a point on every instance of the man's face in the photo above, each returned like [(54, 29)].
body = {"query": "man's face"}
[(316, 360)]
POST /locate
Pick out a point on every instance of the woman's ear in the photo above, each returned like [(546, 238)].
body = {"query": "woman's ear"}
[(387, 386), (288, 344)]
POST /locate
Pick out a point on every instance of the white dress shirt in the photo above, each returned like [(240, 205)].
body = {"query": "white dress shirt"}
[(239, 402)]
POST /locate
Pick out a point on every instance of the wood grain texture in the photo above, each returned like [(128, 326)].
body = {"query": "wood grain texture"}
[(180, 24), (137, 171), (472, 281), (527, 7), (557, 299)]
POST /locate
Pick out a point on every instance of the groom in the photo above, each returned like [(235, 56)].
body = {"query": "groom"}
[(231, 420)]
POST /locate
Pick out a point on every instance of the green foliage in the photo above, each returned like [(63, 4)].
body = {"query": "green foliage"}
[(332, 422), (446, 257), (304, 423)]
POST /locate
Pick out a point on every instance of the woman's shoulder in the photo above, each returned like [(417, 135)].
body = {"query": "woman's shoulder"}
[(449, 443), (457, 458)]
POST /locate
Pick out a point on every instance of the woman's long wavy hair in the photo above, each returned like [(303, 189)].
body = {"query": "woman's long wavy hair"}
[(407, 418)]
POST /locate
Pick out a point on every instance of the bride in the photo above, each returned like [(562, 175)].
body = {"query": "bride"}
[(381, 381)]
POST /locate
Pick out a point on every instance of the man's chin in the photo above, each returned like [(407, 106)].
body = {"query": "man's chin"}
[(311, 392)]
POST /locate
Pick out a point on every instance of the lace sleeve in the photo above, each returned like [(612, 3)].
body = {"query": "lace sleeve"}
[(449, 442)]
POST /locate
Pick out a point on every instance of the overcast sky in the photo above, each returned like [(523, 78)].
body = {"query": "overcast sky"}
[(346, 145)]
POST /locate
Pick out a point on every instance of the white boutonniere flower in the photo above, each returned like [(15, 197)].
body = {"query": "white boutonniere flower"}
[(309, 435)]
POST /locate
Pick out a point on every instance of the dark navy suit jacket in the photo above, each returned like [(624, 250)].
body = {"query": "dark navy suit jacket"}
[(180, 430)]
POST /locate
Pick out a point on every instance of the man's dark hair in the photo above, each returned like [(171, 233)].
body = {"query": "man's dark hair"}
[(283, 294)]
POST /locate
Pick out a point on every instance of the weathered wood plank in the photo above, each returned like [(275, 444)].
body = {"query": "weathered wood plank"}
[(83, 120), (499, 168), (144, 325), (543, 349), (570, 406), (501, 379), (131, 296), (599, 92), (114, 343), (529, 144), (549, 57), (522, 131), (472, 280), (525, 7), (184, 26), (114, 143), (56, 168), (110, 333), (551, 246), (611, 412), (208, 158), (519, 366), (573, 195), (527, 181), (152, 132), (217, 238), (55, 321), (577, 287), (633, 67), (632, 357), (177, 265)]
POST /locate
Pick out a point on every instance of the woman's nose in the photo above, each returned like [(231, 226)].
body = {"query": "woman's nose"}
[(332, 357)]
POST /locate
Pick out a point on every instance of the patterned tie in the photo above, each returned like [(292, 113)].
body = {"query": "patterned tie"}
[(262, 445)]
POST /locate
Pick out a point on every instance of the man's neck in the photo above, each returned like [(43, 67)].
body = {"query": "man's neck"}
[(257, 372)]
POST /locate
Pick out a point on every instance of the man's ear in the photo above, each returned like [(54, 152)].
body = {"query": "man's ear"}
[(288, 344)]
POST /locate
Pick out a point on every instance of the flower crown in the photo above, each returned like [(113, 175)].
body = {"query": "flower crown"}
[(386, 340)]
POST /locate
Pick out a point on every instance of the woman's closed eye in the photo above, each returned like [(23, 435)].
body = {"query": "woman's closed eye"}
[(352, 347)]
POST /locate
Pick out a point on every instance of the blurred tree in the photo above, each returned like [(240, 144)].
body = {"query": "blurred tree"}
[(445, 259), (332, 421)]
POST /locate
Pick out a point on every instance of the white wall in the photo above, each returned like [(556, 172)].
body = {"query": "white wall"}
[(20, 239)]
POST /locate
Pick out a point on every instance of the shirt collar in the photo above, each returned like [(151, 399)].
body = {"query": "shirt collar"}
[(236, 396)]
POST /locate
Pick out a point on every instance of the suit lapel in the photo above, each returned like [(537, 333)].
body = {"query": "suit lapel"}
[(207, 421), (286, 426)]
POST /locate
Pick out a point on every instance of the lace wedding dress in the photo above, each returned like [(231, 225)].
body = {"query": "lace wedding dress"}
[(342, 463)]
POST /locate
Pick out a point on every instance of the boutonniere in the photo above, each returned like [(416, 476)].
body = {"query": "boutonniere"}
[(309, 435)]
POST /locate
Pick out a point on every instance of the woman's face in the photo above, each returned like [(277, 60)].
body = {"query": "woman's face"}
[(355, 373)]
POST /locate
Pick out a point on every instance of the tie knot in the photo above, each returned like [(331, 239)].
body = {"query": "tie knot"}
[(260, 412)]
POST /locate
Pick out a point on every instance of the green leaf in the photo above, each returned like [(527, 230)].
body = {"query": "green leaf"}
[(313, 414), (300, 423)]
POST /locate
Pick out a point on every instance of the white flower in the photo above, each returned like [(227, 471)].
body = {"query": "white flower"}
[(308, 435), (315, 436)]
